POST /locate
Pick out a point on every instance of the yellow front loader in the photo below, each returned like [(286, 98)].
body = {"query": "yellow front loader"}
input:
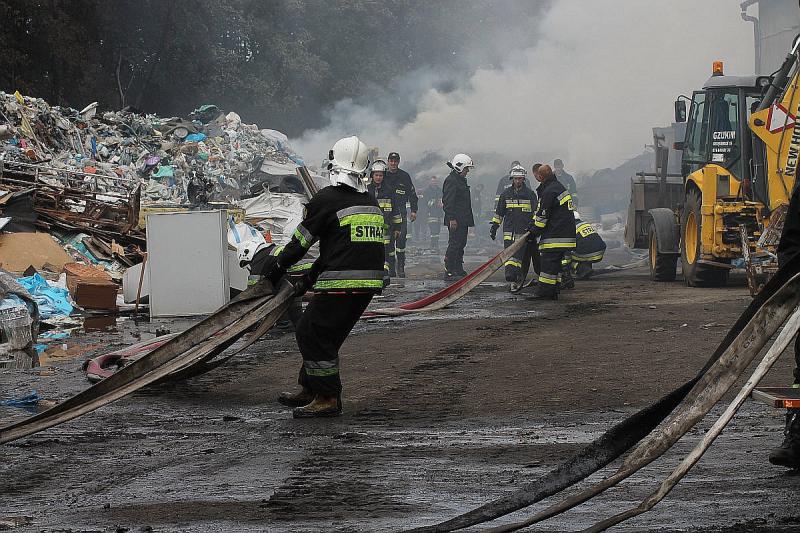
[(738, 165)]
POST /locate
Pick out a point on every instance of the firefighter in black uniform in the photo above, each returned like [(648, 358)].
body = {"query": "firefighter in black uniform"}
[(515, 210), (589, 248), (566, 179), (554, 225), (788, 453), (391, 214), (349, 226), (433, 199), (399, 180), (458, 217)]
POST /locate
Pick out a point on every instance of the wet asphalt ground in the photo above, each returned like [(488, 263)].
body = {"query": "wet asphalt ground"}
[(443, 412)]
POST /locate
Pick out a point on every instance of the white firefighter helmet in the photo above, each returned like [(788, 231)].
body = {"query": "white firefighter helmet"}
[(348, 162), (247, 250), (379, 166), (517, 171), (460, 162)]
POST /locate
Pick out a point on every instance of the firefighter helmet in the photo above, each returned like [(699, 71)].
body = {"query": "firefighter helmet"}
[(517, 171), (247, 250), (348, 163), (460, 162), (378, 166)]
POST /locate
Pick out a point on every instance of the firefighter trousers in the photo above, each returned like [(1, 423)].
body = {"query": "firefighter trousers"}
[(518, 265), (389, 254), (435, 227), (454, 256), (550, 271), (321, 331), (400, 243)]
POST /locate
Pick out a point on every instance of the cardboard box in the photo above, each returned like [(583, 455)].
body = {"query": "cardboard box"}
[(95, 294), (78, 271)]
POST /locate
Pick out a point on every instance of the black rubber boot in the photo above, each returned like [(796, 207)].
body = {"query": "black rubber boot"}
[(788, 453), (296, 399), (320, 407), (543, 292)]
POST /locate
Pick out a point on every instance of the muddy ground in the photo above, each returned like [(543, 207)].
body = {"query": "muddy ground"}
[(442, 413)]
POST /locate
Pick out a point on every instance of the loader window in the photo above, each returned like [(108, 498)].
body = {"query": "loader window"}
[(695, 146), (725, 132)]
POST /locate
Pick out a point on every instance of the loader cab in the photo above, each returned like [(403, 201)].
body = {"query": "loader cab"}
[(717, 131)]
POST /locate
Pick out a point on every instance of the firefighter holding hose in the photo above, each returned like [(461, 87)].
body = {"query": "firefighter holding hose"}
[(350, 228)]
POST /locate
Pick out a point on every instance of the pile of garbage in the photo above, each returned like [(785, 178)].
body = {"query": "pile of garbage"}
[(210, 156)]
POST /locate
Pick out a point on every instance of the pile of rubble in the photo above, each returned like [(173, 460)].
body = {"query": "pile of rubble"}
[(76, 187)]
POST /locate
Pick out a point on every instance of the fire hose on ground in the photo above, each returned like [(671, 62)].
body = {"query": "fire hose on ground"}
[(759, 321)]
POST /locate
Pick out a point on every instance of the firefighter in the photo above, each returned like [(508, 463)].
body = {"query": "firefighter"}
[(589, 249), (433, 196), (788, 453), (399, 180), (391, 215), (504, 183), (515, 210), (458, 217), (554, 225), (566, 179), (349, 225)]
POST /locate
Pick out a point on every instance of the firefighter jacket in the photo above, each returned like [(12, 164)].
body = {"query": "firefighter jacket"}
[(404, 190), (515, 210), (589, 245), (350, 229), (789, 245), (553, 221), (456, 200), (433, 197), (388, 203)]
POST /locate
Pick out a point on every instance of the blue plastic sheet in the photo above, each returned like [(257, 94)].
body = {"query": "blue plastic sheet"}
[(51, 300), (54, 335), (195, 137), (26, 401)]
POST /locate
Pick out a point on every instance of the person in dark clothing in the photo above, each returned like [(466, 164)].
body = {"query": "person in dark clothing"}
[(458, 216), (566, 180), (399, 180), (589, 249), (515, 211), (349, 225), (554, 225), (433, 201), (505, 183), (391, 215), (788, 453)]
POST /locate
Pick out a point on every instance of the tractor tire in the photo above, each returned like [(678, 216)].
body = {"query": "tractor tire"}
[(696, 274), (663, 267)]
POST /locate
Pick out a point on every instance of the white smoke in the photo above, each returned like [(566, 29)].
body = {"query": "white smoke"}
[(603, 73)]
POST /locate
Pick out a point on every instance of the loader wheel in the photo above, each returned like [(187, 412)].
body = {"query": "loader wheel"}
[(662, 266), (695, 273)]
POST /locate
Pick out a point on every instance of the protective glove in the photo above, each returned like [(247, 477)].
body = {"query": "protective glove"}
[(493, 231), (301, 284), (273, 271)]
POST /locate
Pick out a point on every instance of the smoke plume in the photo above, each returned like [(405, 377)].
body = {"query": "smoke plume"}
[(600, 75)]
